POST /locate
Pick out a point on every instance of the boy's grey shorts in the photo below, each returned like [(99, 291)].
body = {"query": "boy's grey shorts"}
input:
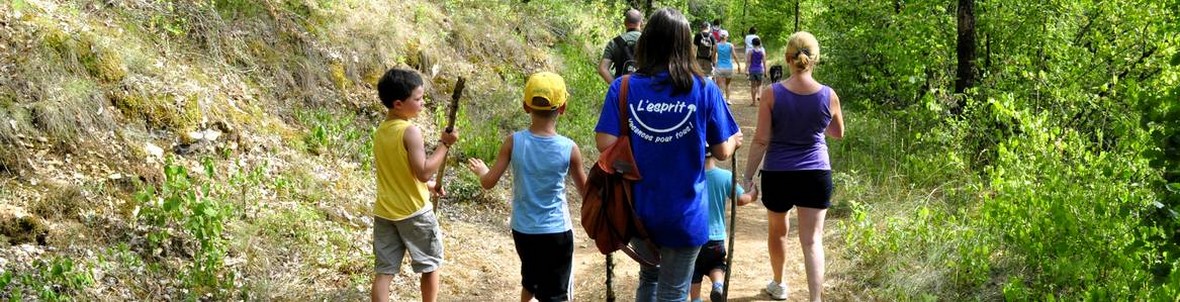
[(419, 235)]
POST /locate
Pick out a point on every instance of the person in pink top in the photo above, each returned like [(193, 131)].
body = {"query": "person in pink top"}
[(789, 145)]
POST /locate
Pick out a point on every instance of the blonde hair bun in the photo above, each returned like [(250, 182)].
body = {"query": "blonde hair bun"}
[(804, 49)]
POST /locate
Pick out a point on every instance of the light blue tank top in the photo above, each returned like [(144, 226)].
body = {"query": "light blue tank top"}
[(725, 55), (539, 166)]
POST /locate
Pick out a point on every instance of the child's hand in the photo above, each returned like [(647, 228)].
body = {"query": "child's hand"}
[(748, 197), (754, 193), (476, 165), (435, 188), (449, 138)]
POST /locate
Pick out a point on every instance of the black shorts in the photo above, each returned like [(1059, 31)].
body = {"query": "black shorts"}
[(546, 261), (782, 190), (712, 257)]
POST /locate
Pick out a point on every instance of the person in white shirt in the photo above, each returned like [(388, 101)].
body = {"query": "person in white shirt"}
[(749, 40)]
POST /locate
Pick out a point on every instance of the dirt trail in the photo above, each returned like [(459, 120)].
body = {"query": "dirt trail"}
[(751, 263)]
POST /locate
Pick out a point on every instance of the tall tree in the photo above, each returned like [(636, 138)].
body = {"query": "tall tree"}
[(965, 74), (796, 15), (642, 5)]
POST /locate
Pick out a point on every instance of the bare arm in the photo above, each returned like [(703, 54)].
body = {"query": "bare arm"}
[(765, 70), (489, 177), (713, 54), (836, 127), (603, 140), (604, 71), (736, 63), (576, 170), (761, 136), (725, 149), (422, 166)]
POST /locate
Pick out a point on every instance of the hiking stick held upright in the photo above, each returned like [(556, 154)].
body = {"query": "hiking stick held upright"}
[(732, 223), (452, 108)]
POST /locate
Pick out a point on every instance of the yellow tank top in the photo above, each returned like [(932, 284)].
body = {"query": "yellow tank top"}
[(399, 194)]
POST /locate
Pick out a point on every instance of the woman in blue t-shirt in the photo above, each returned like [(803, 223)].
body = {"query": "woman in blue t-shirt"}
[(673, 114), (793, 118)]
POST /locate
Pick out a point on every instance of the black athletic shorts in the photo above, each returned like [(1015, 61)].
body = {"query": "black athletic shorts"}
[(546, 261), (712, 257), (782, 190)]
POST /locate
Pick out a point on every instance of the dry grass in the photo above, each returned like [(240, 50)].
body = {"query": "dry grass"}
[(26, 229), (144, 71), (63, 201)]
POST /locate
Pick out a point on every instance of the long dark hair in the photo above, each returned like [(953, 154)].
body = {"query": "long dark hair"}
[(666, 44)]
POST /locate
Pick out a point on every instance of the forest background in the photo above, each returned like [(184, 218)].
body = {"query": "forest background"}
[(997, 149)]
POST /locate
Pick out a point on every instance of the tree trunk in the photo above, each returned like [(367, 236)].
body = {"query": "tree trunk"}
[(965, 74), (796, 15), (644, 6)]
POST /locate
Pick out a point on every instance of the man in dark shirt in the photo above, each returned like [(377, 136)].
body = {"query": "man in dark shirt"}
[(633, 19), (706, 49)]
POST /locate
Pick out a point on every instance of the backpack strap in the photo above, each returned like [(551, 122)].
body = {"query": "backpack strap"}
[(624, 116), (624, 130)]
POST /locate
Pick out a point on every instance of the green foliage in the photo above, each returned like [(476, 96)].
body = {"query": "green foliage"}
[(1051, 182), (586, 90), (57, 279), (339, 134), (190, 205)]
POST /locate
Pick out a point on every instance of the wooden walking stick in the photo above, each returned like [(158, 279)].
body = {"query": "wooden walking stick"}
[(452, 108), (732, 224)]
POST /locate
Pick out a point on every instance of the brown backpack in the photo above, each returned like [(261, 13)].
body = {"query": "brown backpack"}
[(608, 212)]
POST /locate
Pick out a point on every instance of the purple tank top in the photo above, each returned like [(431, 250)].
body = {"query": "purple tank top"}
[(797, 130), (756, 61)]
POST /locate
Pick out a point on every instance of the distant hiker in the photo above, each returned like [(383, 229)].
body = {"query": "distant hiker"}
[(711, 259), (404, 219), (676, 114), (725, 61), (540, 160), (756, 66), (792, 120), (716, 29), (705, 43), (748, 41), (618, 57)]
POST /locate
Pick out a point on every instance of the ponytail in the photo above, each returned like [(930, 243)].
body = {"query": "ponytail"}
[(802, 60), (803, 49)]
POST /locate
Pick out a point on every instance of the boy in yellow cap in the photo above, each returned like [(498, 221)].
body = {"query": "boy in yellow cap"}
[(540, 160)]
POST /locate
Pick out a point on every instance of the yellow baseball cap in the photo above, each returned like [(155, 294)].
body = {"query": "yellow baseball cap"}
[(547, 85)]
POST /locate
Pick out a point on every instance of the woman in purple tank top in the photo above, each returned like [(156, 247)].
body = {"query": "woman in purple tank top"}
[(756, 65), (790, 148)]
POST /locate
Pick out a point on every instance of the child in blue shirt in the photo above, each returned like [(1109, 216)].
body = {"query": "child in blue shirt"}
[(711, 260), (540, 159)]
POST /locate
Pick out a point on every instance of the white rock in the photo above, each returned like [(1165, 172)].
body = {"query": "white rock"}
[(212, 135), (204, 135), (153, 151), (195, 135)]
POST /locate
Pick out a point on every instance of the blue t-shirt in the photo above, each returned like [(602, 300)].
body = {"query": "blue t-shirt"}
[(725, 55), (539, 166), (669, 132), (717, 183)]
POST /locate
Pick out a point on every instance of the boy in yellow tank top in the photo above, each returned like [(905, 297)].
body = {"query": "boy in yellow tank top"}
[(404, 218)]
